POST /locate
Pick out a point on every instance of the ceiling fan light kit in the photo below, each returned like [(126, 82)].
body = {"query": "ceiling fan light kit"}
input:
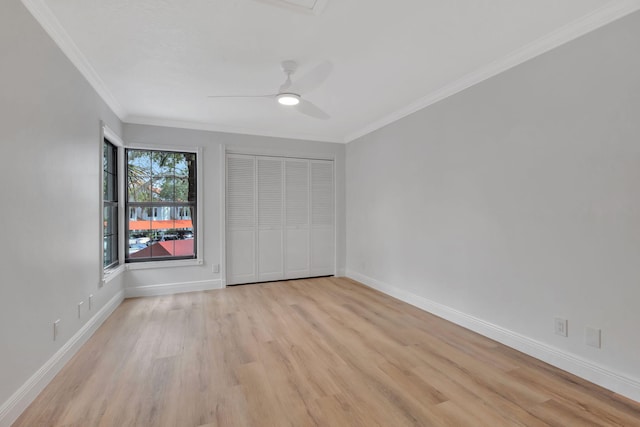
[(288, 99)]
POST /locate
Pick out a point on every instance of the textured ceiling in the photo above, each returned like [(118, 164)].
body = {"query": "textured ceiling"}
[(159, 59)]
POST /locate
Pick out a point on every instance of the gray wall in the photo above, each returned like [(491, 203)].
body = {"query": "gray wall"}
[(49, 191), (211, 143), (516, 200), (49, 186)]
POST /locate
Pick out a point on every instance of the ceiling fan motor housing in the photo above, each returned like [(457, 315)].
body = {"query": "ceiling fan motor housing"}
[(289, 67)]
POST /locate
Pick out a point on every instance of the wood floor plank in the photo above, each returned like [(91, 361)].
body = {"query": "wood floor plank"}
[(313, 352)]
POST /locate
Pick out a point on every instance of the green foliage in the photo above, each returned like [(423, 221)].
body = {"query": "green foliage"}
[(157, 176)]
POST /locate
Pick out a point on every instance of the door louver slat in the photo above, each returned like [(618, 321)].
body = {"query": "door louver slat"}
[(240, 192), (322, 193), (270, 192), (297, 192)]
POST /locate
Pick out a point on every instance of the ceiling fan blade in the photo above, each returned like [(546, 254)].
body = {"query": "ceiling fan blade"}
[(313, 79), (243, 96), (311, 110)]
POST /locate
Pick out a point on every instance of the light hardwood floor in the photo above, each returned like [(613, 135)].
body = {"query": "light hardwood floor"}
[(325, 352)]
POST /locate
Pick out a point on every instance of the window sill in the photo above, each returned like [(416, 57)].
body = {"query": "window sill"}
[(112, 273), (163, 264)]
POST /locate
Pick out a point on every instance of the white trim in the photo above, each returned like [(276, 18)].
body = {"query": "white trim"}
[(199, 260), (112, 273), (105, 276), (148, 265), (152, 121), (56, 31), (590, 371), (22, 398), (316, 9), (200, 206), (223, 215), (113, 137), (171, 288), (101, 272), (160, 147), (610, 12), (288, 154), (335, 219)]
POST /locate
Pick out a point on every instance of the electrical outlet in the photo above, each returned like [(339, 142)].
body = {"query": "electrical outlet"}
[(56, 325), (80, 309), (91, 302), (216, 268), (561, 327), (592, 337)]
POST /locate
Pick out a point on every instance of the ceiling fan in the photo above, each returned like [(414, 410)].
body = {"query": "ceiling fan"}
[(290, 93)]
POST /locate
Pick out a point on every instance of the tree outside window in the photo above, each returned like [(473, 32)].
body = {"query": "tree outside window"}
[(161, 205)]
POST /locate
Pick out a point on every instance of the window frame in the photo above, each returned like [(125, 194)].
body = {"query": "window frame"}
[(197, 212), (110, 178), (107, 273)]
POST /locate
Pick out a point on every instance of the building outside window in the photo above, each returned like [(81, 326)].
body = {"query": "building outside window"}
[(110, 204), (161, 205)]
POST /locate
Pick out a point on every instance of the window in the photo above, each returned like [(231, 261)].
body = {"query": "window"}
[(110, 204), (161, 205)]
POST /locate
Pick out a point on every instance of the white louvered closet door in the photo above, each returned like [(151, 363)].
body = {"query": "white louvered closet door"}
[(241, 219), (322, 218), (297, 236), (270, 218), (280, 218)]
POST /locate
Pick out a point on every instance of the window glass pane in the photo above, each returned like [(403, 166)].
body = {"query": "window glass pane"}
[(108, 225), (139, 175), (139, 241), (114, 248), (164, 189), (182, 164), (111, 159), (163, 163), (107, 252), (161, 170), (114, 187), (134, 213), (191, 162), (158, 181), (140, 220), (170, 234), (110, 205), (110, 187), (114, 216), (182, 189), (105, 159)]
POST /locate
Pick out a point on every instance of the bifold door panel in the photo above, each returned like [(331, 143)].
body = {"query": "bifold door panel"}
[(322, 217), (241, 219), (270, 219), (280, 218)]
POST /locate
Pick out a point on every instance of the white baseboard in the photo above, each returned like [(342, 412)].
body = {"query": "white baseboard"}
[(341, 272), (172, 288), (590, 371), (22, 398)]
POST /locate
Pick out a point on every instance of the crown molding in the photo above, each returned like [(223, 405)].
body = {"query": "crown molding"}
[(598, 18), (53, 27), (299, 6), (153, 121), (612, 11)]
